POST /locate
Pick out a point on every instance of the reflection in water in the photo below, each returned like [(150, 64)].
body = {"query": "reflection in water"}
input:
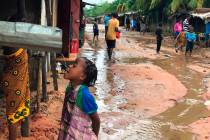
[(169, 125)]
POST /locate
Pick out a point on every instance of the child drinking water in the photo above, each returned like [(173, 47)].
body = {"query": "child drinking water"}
[(191, 38), (80, 120)]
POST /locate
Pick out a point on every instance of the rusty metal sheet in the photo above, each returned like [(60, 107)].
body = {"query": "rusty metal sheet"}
[(30, 36)]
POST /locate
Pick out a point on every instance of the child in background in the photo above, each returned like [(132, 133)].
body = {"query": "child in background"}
[(80, 120), (96, 32), (180, 41), (191, 38), (159, 37)]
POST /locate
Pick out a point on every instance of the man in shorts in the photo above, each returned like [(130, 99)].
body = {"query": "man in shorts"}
[(111, 34)]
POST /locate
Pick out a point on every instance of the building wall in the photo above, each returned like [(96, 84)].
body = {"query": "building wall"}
[(33, 8)]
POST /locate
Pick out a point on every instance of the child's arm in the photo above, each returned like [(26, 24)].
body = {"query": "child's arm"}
[(95, 123)]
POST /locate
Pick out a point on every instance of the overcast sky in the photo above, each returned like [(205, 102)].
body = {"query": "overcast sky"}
[(97, 1)]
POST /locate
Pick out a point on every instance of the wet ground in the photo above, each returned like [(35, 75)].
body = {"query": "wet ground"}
[(141, 95), (121, 122)]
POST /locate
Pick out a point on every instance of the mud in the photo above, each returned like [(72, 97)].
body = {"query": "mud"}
[(141, 95)]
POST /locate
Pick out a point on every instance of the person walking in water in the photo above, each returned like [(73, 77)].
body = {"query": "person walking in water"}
[(106, 22), (159, 37), (186, 24), (96, 32), (177, 28), (80, 120), (111, 34), (191, 38), (128, 23), (180, 41)]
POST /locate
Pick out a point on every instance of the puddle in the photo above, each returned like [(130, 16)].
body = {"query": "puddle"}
[(135, 60), (181, 113), (169, 125)]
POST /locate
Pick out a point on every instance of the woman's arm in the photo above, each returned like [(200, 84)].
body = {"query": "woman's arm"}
[(95, 123)]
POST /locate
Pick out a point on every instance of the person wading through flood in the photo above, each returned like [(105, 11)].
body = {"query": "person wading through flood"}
[(106, 23), (111, 34), (191, 38), (180, 41), (15, 82), (159, 37), (95, 32), (128, 23), (80, 120)]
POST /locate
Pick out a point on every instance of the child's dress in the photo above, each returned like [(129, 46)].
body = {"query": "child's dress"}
[(181, 40), (75, 122)]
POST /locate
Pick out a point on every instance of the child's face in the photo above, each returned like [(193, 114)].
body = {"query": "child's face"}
[(75, 72)]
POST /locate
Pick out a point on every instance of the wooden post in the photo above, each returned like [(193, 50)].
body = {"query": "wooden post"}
[(44, 79), (53, 55), (48, 12), (54, 13), (39, 83), (54, 73)]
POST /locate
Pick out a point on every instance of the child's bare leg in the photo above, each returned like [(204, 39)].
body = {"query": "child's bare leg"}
[(25, 128), (12, 131), (181, 48)]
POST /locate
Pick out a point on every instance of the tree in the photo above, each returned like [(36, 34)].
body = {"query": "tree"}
[(159, 7)]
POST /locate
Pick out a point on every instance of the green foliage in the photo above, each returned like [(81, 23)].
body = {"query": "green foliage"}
[(168, 7), (154, 4)]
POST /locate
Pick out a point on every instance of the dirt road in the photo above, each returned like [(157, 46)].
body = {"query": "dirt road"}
[(142, 95)]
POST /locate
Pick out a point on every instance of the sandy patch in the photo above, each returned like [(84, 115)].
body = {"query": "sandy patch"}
[(149, 89), (201, 128)]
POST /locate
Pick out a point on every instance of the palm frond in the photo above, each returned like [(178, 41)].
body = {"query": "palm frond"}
[(154, 4)]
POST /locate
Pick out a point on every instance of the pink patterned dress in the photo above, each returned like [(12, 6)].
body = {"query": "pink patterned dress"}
[(75, 123)]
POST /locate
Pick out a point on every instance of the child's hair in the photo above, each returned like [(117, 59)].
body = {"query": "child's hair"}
[(91, 73)]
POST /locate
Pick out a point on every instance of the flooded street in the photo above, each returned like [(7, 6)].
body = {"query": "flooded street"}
[(123, 117), (141, 95)]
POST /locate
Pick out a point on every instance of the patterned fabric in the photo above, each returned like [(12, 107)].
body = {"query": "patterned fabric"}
[(186, 25), (76, 124), (15, 86), (181, 40)]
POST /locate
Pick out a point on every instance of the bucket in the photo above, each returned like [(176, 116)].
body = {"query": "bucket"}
[(75, 46)]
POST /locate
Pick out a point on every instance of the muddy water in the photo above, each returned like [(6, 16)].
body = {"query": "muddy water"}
[(169, 125), (110, 87), (189, 109), (186, 110)]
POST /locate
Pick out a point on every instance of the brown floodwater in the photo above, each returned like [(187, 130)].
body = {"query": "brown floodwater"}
[(187, 110), (169, 125)]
